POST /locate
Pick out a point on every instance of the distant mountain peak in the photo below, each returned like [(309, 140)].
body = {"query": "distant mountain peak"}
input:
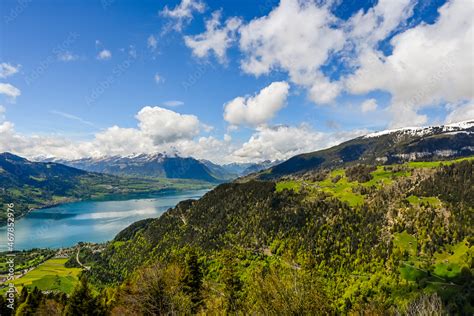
[(425, 130)]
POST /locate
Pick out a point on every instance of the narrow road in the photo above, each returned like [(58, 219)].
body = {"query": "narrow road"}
[(79, 262)]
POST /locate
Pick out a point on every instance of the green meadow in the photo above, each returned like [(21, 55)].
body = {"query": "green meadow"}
[(52, 275)]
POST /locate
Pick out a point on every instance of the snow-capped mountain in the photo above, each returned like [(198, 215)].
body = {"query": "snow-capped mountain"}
[(160, 165), (461, 127)]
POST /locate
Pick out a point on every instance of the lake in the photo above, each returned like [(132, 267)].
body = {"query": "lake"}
[(88, 221)]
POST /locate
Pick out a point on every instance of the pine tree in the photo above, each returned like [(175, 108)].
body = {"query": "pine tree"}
[(4, 310), (31, 304), (193, 279), (82, 302)]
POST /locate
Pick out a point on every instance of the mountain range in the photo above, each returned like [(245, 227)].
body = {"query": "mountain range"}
[(161, 165)]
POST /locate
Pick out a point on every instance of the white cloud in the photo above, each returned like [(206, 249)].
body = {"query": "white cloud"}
[(161, 130), (104, 54), (368, 28), (9, 90), (256, 110), (296, 37), (208, 148), (461, 113), (34, 145), (152, 42), (158, 78), (158, 130), (164, 126), (7, 70), (122, 141), (430, 64), (182, 13), (368, 105), (216, 39), (283, 142), (67, 56), (173, 103)]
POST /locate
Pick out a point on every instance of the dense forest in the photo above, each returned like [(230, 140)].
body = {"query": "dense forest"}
[(364, 240)]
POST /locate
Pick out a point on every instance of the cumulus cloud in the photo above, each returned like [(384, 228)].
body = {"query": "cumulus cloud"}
[(7, 70), (46, 146), (258, 109), (430, 64), (104, 54), (216, 39), (368, 105), (164, 126), (182, 13), (370, 27), (296, 37), (151, 136), (158, 130), (283, 142), (9, 90)]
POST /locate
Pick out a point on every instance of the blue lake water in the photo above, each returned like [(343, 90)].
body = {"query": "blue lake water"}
[(88, 221)]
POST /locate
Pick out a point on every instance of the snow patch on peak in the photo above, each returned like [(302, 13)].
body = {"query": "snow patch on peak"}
[(421, 131)]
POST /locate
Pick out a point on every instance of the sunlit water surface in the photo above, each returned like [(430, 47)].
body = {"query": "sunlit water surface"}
[(88, 221)]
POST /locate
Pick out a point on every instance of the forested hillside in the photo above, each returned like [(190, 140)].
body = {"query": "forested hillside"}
[(365, 240)]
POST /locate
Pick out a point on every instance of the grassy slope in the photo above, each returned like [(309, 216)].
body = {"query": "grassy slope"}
[(52, 275), (345, 190), (447, 264)]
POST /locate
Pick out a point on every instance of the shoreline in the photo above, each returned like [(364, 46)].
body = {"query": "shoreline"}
[(107, 197)]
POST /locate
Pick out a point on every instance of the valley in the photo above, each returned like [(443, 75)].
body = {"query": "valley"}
[(34, 185), (336, 231)]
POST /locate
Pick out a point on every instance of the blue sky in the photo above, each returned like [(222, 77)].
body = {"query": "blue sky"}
[(77, 74)]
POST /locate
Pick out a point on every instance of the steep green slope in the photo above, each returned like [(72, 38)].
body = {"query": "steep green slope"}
[(362, 239), (424, 144)]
